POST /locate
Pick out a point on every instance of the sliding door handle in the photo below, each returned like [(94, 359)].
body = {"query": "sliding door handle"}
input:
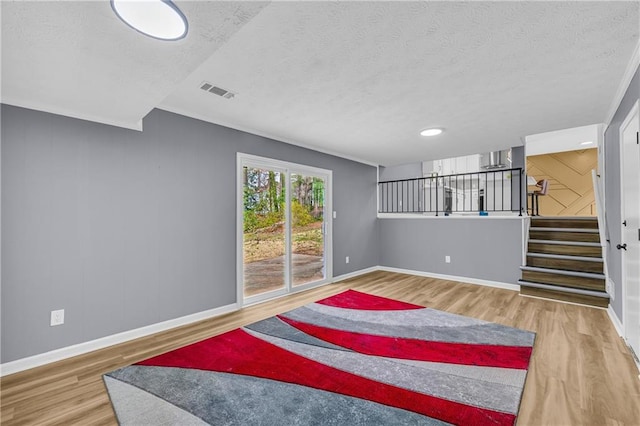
[(622, 246)]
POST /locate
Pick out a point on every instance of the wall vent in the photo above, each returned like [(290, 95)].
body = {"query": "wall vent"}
[(208, 87)]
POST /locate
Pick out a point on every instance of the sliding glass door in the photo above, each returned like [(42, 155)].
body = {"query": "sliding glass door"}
[(283, 236), (307, 228), (264, 231)]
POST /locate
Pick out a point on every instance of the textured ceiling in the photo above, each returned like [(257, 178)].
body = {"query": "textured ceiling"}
[(356, 78), (77, 58)]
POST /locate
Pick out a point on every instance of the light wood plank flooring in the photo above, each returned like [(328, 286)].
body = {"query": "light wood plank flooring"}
[(581, 372)]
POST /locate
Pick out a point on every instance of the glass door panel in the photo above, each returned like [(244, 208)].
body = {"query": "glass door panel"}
[(307, 228), (264, 231)]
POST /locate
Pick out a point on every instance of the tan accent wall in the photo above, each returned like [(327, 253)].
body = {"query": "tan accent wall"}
[(570, 184)]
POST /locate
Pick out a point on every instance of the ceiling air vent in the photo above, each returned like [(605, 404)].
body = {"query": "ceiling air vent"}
[(208, 87)]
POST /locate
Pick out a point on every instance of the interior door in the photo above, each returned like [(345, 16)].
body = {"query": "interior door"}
[(630, 245)]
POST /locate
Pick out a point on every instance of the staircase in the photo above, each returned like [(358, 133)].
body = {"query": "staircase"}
[(564, 261)]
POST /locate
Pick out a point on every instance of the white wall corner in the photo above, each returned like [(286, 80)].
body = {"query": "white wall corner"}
[(617, 324), (563, 140), (354, 274), (104, 342)]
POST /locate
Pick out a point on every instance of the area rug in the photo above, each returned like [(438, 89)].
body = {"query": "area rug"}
[(350, 359)]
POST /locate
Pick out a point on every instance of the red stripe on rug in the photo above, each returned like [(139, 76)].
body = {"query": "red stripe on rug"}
[(352, 299), (516, 357), (240, 353)]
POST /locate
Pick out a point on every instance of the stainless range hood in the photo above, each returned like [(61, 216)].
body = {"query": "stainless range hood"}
[(494, 160)]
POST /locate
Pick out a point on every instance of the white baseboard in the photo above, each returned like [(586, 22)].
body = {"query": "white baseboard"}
[(103, 342), (617, 324), (355, 274), (487, 283)]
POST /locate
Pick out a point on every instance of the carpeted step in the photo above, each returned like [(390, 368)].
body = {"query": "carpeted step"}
[(566, 294), (569, 248), (568, 263), (573, 279), (564, 222), (565, 234)]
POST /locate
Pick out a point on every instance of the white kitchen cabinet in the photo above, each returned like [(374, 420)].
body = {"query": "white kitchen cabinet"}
[(453, 166), (473, 163)]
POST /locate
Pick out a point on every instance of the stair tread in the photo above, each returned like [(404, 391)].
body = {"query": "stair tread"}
[(577, 230), (571, 290), (570, 243), (565, 222), (563, 272), (566, 257), (556, 295)]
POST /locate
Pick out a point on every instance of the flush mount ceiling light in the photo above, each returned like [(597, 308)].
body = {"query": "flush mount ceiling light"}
[(431, 132), (586, 143), (159, 19)]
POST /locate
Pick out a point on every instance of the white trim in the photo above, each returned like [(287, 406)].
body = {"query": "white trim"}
[(71, 114), (453, 216), (466, 280), (114, 339), (632, 66), (599, 200), (526, 224), (265, 135), (628, 118), (378, 190), (354, 274), (239, 231), (615, 321)]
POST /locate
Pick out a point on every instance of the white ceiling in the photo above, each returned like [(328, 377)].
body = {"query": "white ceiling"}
[(360, 79)]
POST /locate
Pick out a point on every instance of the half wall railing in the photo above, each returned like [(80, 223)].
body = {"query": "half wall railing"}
[(486, 191)]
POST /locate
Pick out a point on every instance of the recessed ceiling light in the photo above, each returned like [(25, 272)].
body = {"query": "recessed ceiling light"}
[(159, 19), (586, 143), (431, 132)]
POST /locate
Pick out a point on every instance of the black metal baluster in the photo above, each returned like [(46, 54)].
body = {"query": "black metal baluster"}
[(502, 195), (495, 192), (464, 193), (520, 191)]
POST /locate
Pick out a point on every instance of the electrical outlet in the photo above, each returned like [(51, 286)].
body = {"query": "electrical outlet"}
[(346, 259), (335, 214), (57, 317), (447, 259)]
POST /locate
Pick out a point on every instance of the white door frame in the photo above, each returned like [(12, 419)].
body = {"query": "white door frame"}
[(627, 325), (287, 168)]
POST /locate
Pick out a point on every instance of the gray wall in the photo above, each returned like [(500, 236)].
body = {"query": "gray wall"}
[(612, 188), (489, 249), (124, 229)]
